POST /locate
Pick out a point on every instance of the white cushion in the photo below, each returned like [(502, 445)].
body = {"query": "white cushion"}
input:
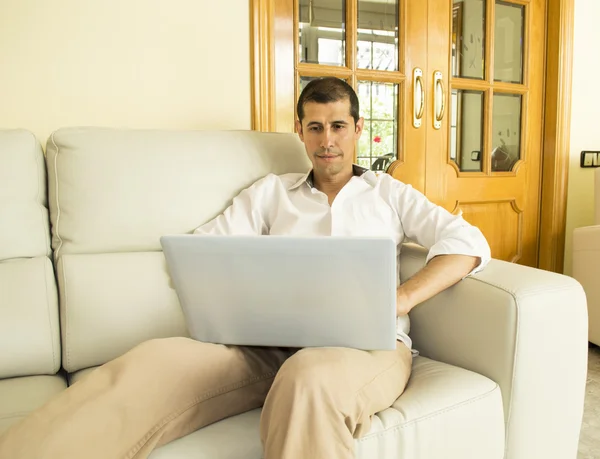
[(20, 396), (29, 330), (237, 437), (111, 302), (445, 412), (120, 190), (24, 228)]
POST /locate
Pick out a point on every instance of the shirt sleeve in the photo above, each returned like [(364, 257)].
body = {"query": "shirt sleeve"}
[(436, 229), (245, 216)]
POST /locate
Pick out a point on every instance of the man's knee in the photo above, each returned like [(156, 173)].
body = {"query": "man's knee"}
[(303, 370), (158, 345)]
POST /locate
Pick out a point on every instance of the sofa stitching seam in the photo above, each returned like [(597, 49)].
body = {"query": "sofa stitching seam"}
[(60, 241), (430, 416)]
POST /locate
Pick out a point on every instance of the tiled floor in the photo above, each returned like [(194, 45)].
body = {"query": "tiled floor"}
[(589, 442)]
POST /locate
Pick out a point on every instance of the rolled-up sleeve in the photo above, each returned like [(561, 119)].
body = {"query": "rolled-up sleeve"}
[(436, 229)]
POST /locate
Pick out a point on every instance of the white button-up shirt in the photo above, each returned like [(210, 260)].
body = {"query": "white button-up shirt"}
[(368, 205)]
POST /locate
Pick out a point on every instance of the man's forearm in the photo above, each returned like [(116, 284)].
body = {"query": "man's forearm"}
[(440, 273)]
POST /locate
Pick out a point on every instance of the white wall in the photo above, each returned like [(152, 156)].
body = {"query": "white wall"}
[(179, 64), (585, 121)]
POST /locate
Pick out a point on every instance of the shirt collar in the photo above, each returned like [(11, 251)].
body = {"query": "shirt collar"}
[(357, 171)]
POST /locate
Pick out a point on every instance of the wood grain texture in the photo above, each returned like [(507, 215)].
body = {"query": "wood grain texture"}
[(504, 232), (447, 186), (410, 166), (557, 121), (262, 58)]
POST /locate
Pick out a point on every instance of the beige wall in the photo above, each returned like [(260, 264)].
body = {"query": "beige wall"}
[(585, 122), (179, 64)]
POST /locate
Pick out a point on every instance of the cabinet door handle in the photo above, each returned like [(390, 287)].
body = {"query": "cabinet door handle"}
[(418, 97), (439, 103)]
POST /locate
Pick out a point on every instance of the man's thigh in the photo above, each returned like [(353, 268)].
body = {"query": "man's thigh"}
[(377, 376), (156, 392)]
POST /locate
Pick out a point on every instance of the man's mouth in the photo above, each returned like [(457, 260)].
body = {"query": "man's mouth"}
[(328, 156)]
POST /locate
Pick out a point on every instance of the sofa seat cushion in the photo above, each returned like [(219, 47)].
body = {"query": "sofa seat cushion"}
[(29, 323), (234, 438), (445, 411), (21, 396)]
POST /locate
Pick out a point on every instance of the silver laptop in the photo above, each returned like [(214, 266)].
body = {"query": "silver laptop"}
[(286, 291)]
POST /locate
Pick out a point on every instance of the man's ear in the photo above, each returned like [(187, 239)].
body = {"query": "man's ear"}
[(358, 128), (299, 130)]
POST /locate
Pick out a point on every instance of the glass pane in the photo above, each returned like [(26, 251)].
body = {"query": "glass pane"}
[(304, 80), (506, 131), (468, 38), (378, 145), (466, 129), (377, 35), (322, 31), (508, 47)]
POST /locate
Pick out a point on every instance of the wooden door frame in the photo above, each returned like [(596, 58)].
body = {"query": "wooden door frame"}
[(272, 93), (556, 134)]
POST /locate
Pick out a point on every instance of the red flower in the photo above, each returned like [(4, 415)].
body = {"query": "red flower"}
[(376, 139)]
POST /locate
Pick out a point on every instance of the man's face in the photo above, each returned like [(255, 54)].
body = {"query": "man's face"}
[(329, 136)]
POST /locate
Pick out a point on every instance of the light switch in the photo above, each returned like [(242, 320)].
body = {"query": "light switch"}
[(590, 159)]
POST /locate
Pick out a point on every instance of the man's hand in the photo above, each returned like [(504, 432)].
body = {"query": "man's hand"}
[(440, 273)]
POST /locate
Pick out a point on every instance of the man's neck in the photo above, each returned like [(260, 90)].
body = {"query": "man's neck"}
[(332, 185)]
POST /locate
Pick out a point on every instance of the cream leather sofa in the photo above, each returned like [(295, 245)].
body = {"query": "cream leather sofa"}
[(503, 354), (586, 263)]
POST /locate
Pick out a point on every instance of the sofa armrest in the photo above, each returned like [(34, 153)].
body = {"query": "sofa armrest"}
[(524, 328), (586, 269), (586, 238)]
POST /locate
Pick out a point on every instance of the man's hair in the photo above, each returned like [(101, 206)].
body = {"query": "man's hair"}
[(326, 90)]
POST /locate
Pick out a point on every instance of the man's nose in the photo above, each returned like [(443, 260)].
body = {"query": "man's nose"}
[(327, 140)]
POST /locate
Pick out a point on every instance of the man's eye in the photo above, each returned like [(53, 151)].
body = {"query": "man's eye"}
[(337, 127), (314, 128)]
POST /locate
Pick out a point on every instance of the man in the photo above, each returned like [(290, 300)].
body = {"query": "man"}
[(316, 400)]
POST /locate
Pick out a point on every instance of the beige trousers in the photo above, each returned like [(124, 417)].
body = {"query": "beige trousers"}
[(316, 400)]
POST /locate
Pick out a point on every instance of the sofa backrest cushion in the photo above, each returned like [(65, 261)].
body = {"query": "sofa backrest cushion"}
[(24, 228), (29, 331), (113, 194)]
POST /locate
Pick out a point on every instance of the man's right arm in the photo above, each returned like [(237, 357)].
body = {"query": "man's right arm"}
[(245, 216)]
